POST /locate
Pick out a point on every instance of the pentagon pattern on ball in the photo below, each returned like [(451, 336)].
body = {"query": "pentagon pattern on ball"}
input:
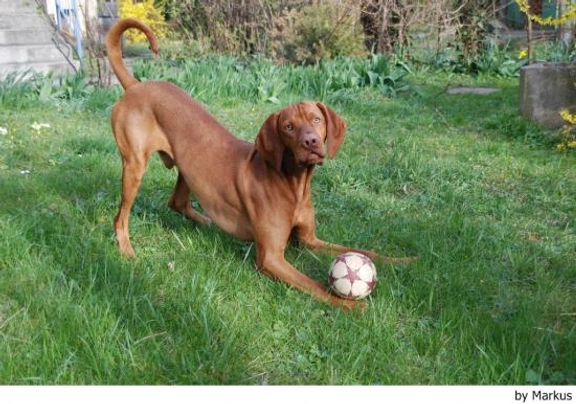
[(352, 276)]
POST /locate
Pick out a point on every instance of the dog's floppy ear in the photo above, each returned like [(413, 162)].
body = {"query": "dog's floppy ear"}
[(335, 129), (268, 143)]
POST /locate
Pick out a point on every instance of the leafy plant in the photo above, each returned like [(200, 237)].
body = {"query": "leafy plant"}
[(17, 89), (556, 51), (492, 60), (257, 79)]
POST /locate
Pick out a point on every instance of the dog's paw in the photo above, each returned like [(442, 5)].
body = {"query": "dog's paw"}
[(353, 305)]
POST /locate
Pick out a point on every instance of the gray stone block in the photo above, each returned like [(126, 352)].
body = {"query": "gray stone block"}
[(545, 90)]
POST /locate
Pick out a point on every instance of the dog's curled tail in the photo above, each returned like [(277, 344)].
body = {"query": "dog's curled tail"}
[(114, 50)]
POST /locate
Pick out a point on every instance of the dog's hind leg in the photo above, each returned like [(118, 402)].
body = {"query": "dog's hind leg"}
[(180, 202), (132, 172)]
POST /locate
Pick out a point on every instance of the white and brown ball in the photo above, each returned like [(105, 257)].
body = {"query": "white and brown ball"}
[(352, 276)]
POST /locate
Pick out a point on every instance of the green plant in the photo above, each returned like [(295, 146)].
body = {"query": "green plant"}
[(498, 61), (491, 59), (17, 89), (556, 51), (257, 79), (473, 29), (29, 89)]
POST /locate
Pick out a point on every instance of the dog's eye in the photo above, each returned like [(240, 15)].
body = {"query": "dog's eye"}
[(317, 120), (289, 127)]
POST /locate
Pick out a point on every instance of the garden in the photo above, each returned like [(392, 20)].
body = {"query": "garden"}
[(432, 167)]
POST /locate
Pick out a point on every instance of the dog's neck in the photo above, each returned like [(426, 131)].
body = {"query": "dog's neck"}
[(297, 175)]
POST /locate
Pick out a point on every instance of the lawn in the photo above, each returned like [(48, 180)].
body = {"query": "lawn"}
[(478, 194)]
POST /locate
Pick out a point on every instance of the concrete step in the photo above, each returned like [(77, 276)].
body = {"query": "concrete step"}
[(26, 40), (24, 37), (43, 67), (20, 20), (9, 6), (30, 54)]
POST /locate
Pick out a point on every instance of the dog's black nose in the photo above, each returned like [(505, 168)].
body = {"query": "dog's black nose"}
[(310, 140)]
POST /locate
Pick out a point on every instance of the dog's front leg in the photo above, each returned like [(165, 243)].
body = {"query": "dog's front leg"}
[(272, 263)]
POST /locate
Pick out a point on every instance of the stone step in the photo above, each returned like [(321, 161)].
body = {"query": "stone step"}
[(20, 20), (26, 40), (30, 54), (42, 67), (9, 6), (24, 37)]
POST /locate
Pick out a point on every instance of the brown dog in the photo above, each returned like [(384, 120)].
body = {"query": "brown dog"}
[(258, 192)]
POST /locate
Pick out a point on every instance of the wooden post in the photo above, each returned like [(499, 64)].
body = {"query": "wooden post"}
[(529, 40)]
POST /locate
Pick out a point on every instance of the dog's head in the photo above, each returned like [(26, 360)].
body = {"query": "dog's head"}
[(303, 129)]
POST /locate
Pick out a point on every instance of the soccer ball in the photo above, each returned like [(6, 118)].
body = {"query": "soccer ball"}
[(352, 276)]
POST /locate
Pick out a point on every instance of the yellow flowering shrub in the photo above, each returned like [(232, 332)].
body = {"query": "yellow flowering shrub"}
[(568, 132), (569, 14), (146, 12), (568, 117)]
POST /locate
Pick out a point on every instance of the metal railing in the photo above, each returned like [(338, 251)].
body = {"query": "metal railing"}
[(68, 21)]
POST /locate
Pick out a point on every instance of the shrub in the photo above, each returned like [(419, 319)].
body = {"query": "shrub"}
[(146, 12), (322, 30), (228, 26), (568, 132)]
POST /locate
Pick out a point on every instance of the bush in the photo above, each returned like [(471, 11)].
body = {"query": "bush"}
[(228, 26), (567, 134), (322, 30), (146, 12)]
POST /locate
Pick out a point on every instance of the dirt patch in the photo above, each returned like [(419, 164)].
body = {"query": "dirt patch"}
[(472, 90)]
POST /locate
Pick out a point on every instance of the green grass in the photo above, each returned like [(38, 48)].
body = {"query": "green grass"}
[(477, 193)]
